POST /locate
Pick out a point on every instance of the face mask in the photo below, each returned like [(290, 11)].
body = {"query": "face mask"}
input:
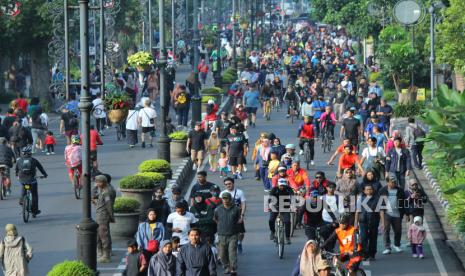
[(309, 101)]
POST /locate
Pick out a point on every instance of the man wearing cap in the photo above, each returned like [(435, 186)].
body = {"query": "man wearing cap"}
[(202, 186), (351, 128), (398, 162), (290, 155), (298, 177), (393, 198), (280, 195), (196, 144), (227, 217), (15, 252), (281, 174), (104, 215)]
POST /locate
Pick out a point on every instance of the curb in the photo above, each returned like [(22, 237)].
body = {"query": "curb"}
[(454, 238)]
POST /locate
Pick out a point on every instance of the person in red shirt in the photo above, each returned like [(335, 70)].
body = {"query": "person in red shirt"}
[(297, 176), (95, 141), (339, 150), (203, 70), (281, 174), (348, 160), (50, 142), (307, 135), (22, 103)]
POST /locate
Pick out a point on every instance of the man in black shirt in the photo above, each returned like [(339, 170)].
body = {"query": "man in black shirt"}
[(222, 128), (351, 128), (202, 186), (384, 111), (237, 151), (196, 145)]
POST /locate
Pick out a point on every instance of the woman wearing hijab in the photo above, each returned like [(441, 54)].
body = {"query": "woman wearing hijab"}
[(262, 160), (278, 148), (164, 262), (310, 262), (149, 230)]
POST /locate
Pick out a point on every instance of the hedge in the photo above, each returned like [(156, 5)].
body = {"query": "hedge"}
[(154, 165), (409, 110), (211, 90), (205, 99), (71, 268), (136, 182), (125, 205), (179, 135), (154, 176)]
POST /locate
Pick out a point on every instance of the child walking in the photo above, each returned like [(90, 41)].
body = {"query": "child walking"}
[(136, 264), (273, 165), (213, 145), (50, 142), (416, 236), (223, 163)]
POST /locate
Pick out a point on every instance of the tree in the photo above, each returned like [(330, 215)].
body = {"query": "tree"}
[(450, 36)]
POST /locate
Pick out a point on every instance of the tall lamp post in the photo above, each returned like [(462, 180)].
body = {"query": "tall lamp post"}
[(218, 45), (432, 54), (234, 53), (87, 228), (164, 140), (196, 107)]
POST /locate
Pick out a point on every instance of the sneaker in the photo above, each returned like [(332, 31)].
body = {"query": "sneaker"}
[(312, 163), (244, 168), (48, 153), (239, 175), (8, 192), (387, 251), (421, 256), (239, 248), (301, 152), (131, 146), (53, 152), (415, 256), (271, 236), (150, 146), (266, 191), (397, 249), (288, 241)]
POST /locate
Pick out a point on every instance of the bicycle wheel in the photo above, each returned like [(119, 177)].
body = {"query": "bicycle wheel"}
[(118, 132), (76, 186), (330, 145), (293, 224), (26, 208), (281, 241), (360, 272), (307, 155)]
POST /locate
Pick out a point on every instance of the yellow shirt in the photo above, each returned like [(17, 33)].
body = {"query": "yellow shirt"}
[(152, 226), (272, 167)]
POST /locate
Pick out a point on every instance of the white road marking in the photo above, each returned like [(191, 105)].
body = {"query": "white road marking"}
[(434, 250)]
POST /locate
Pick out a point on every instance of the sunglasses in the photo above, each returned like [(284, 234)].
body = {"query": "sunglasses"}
[(319, 177), (349, 172)]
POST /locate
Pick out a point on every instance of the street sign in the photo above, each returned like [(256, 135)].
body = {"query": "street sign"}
[(421, 94), (408, 12)]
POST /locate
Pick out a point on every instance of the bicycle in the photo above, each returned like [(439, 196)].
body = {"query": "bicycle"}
[(3, 190), (27, 201), (327, 142), (308, 158), (77, 187), (267, 109), (279, 235), (293, 111)]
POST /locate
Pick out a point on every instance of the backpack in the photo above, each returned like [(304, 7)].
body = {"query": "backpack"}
[(73, 120), (26, 166), (181, 100), (418, 133)]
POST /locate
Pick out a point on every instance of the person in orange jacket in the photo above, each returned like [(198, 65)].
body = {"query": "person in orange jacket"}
[(298, 177)]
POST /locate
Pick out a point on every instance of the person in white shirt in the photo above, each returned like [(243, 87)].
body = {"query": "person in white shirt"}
[(240, 201), (333, 209), (98, 111), (180, 222), (132, 125), (146, 119)]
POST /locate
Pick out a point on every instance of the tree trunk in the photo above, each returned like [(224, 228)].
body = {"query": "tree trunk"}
[(40, 74)]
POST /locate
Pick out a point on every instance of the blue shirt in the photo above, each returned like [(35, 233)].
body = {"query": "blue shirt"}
[(318, 105), (251, 98), (375, 89), (370, 126), (380, 139)]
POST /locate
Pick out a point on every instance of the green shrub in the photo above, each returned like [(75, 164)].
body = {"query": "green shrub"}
[(70, 268), (374, 76), (180, 135), (154, 176), (409, 110), (389, 95), (211, 90), (230, 71), (136, 182), (126, 205), (228, 78), (154, 165), (205, 99)]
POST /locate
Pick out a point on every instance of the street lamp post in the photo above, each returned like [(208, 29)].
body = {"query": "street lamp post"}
[(234, 53), (164, 140), (102, 48), (87, 228), (173, 29), (218, 45), (150, 27), (196, 107), (432, 54)]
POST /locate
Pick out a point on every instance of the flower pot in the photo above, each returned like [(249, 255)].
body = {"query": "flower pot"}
[(125, 224), (144, 196), (178, 148), (117, 115), (168, 174)]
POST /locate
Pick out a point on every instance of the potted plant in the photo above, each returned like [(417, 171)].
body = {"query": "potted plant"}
[(204, 101), (156, 165), (71, 268), (215, 92), (158, 179), (126, 212), (117, 104), (178, 143), (141, 61), (138, 187)]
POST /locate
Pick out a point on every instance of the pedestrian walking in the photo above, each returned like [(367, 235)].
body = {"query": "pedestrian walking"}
[(37, 130), (204, 214), (15, 253), (195, 258), (202, 186), (104, 201), (416, 236), (310, 262), (398, 162), (227, 217), (50, 142), (213, 147), (146, 119), (98, 111), (181, 101), (132, 125), (164, 262), (160, 205), (180, 223), (414, 132), (136, 263), (196, 145), (149, 234)]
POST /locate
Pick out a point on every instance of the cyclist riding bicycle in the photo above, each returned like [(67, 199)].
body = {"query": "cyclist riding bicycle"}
[(7, 158), (349, 248), (73, 157), (289, 156), (292, 99), (298, 177), (267, 92), (328, 120), (26, 168), (280, 195), (280, 175), (306, 134)]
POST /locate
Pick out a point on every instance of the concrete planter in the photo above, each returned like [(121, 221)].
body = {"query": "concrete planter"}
[(178, 148), (125, 224), (143, 196)]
